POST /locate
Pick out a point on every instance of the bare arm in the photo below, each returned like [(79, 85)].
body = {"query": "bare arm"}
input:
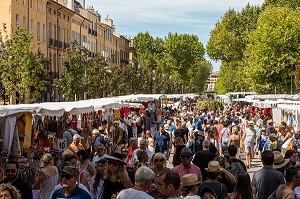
[(230, 178), (39, 178)]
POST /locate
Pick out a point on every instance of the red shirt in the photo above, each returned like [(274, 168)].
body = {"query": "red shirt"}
[(181, 170)]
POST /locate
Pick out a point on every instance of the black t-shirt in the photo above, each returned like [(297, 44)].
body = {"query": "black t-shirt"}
[(179, 133), (22, 186), (201, 160)]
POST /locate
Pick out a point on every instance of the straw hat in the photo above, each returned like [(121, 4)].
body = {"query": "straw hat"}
[(269, 121), (213, 166), (189, 180), (117, 157), (279, 161)]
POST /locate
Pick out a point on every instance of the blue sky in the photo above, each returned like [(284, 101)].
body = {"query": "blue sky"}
[(159, 17)]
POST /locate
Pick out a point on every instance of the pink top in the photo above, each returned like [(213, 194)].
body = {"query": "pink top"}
[(181, 170)]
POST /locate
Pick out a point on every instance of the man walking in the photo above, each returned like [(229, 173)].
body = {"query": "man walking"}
[(266, 180)]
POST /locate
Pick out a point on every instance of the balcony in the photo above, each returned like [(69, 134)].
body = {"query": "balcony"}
[(60, 44), (66, 45), (51, 42)]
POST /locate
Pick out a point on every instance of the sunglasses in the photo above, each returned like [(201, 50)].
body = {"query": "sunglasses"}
[(10, 170), (185, 156), (112, 163), (159, 160), (67, 177)]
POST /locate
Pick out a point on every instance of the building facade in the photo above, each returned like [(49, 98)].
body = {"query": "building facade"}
[(211, 81), (56, 23)]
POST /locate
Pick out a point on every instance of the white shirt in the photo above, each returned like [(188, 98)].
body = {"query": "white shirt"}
[(97, 158), (132, 193), (134, 155)]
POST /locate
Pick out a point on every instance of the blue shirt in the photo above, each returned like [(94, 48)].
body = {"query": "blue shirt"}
[(172, 128), (99, 140), (77, 193), (161, 141)]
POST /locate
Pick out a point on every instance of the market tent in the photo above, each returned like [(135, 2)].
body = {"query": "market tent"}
[(288, 107), (74, 108)]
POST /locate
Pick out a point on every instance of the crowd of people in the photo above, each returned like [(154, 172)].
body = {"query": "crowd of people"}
[(170, 153)]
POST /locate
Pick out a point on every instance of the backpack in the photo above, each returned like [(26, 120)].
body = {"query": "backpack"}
[(236, 167)]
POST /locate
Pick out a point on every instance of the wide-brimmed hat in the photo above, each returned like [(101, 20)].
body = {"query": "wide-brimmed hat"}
[(116, 122), (279, 161), (213, 166), (186, 151), (269, 121), (251, 123), (71, 170), (117, 157), (205, 190), (190, 180)]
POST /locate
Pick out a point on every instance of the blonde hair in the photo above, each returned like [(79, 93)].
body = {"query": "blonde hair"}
[(47, 158), (235, 130), (14, 193), (148, 133), (122, 174)]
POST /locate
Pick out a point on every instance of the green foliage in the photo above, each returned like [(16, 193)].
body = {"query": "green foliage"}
[(214, 105), (171, 65), (73, 79), (273, 46), (282, 3), (95, 76), (22, 70)]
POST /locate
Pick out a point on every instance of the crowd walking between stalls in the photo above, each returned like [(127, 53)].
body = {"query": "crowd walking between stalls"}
[(166, 152)]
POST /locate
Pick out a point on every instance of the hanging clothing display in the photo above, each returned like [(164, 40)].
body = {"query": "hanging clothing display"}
[(276, 113), (15, 149), (8, 131)]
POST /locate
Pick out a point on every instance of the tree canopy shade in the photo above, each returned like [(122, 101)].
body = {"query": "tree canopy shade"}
[(179, 59), (227, 44), (273, 46), (22, 71)]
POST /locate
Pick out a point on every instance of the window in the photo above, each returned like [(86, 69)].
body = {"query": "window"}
[(64, 16), (54, 12), (31, 25), (68, 34), (31, 3), (38, 31), (58, 63), (17, 19), (64, 35), (54, 62), (23, 2), (49, 10), (58, 33), (50, 30), (38, 6), (58, 14), (24, 22), (44, 33), (68, 18), (54, 31)]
